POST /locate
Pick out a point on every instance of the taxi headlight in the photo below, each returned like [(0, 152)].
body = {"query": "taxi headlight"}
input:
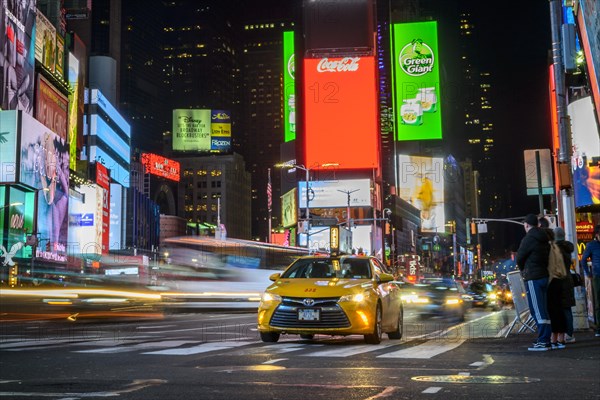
[(492, 296), (357, 298), (508, 295), (266, 296)]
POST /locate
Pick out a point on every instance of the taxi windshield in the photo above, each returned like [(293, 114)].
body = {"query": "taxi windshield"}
[(348, 268)]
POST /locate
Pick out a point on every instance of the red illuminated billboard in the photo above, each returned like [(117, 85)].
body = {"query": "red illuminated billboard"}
[(340, 111), (161, 166)]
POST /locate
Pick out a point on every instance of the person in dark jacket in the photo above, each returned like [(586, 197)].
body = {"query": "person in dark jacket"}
[(592, 251), (532, 260), (561, 295)]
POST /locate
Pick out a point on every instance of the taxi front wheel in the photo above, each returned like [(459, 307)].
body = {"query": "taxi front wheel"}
[(375, 337), (269, 337)]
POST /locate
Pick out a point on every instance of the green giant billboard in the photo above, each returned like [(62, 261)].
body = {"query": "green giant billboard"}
[(417, 99), (289, 87)]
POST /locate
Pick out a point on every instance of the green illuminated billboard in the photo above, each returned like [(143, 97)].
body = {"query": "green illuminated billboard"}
[(289, 87), (417, 97), (191, 130)]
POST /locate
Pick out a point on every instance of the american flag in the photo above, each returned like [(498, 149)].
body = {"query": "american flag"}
[(269, 191)]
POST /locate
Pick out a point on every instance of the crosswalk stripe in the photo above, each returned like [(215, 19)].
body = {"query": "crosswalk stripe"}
[(426, 350), (124, 349), (203, 348), (347, 351)]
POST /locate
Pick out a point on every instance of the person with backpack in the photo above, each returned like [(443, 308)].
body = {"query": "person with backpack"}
[(561, 294), (532, 261)]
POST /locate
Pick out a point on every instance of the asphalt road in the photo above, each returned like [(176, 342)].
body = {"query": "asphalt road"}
[(220, 356)]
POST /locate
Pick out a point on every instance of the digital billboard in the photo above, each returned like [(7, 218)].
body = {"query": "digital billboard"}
[(45, 166), (72, 126), (45, 41), (8, 146), (421, 183), (192, 130), (51, 107), (103, 180), (341, 112), (110, 138), (289, 87), (116, 217), (17, 21), (220, 130), (585, 160), (289, 210), (117, 172), (588, 19), (85, 221), (96, 97), (18, 212), (161, 166), (416, 81), (331, 194)]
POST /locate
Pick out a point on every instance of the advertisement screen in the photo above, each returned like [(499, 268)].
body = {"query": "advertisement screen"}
[(329, 194), (98, 98), (51, 107), (18, 224), (585, 160), (8, 146), (161, 166), (45, 42), (289, 87), (289, 211), (117, 172), (422, 185), (116, 216), (417, 97), (72, 77), (589, 24), (192, 130), (17, 20), (341, 123), (85, 221), (220, 128), (45, 166)]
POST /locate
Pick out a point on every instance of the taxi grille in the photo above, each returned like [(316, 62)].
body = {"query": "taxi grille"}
[(331, 314)]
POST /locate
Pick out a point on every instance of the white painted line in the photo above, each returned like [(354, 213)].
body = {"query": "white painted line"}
[(154, 326), (464, 373), (275, 360), (203, 348), (476, 364), (124, 349), (347, 351), (425, 350), (433, 389)]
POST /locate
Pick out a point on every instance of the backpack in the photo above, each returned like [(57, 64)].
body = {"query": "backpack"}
[(556, 262)]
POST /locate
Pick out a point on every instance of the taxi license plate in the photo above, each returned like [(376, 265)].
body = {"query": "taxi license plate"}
[(308, 314)]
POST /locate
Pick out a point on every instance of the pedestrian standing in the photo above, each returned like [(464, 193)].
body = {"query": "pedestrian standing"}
[(560, 293), (568, 298), (592, 251), (532, 260)]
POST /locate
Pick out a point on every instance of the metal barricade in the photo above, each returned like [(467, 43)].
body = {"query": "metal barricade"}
[(519, 295)]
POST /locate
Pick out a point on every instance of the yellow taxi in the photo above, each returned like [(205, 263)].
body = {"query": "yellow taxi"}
[(332, 295)]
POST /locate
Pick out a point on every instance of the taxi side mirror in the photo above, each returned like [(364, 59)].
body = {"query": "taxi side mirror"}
[(383, 278), (274, 277)]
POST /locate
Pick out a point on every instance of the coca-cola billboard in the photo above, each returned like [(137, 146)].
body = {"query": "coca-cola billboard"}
[(346, 64), (341, 112)]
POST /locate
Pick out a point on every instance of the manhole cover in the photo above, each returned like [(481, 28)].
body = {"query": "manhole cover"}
[(494, 379)]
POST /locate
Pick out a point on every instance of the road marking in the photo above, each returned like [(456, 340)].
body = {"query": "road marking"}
[(464, 373), (203, 348), (347, 351), (275, 360), (433, 389), (425, 350), (476, 364), (132, 387), (124, 349)]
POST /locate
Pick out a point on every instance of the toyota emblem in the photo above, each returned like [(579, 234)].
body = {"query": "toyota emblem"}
[(308, 302)]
